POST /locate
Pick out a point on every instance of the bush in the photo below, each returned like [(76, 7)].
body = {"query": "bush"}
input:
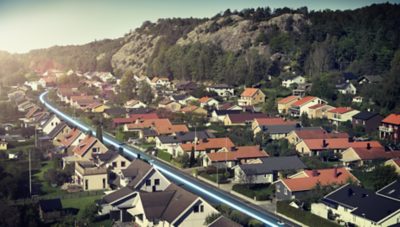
[(304, 217)]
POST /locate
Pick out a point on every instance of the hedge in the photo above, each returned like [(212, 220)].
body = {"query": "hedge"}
[(304, 217), (259, 191), (164, 155)]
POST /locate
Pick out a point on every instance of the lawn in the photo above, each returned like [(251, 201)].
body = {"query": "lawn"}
[(46, 188), (80, 203), (259, 191), (164, 155)]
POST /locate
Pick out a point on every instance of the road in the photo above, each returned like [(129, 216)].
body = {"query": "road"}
[(192, 184)]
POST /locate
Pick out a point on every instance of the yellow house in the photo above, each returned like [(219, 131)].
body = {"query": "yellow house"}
[(319, 111), (341, 114), (96, 107), (395, 162), (3, 145), (285, 103), (90, 177), (251, 96)]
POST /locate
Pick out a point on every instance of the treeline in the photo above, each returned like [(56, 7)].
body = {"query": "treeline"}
[(199, 62)]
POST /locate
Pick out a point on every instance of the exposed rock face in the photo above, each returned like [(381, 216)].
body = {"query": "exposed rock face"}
[(134, 53)]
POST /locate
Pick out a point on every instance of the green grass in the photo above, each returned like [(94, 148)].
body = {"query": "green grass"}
[(46, 187), (164, 155), (104, 223), (259, 191), (80, 203)]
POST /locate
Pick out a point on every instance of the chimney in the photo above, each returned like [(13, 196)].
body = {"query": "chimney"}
[(315, 173), (335, 172), (369, 146), (324, 143)]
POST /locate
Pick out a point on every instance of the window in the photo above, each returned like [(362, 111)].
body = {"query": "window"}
[(94, 149), (196, 209), (201, 208), (148, 182), (278, 188), (114, 164), (86, 184), (123, 164), (157, 181), (104, 183), (140, 217), (285, 191)]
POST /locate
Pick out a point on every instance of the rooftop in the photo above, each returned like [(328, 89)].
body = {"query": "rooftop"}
[(392, 119)]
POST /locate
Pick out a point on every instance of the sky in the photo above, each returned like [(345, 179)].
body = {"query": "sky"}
[(33, 24)]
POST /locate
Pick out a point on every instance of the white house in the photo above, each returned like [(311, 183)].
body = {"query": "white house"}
[(296, 80), (134, 104), (346, 89), (222, 90), (50, 124)]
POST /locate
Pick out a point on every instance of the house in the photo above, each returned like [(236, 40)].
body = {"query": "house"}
[(232, 157), (285, 103), (220, 115), (142, 176), (50, 124), (159, 126), (222, 90), (301, 106), (222, 221), (183, 99), (58, 133), (269, 170), (300, 134), (89, 147), (96, 107), (134, 104), (358, 156), (346, 88), (192, 109), (341, 115), (276, 127), (389, 128), (291, 81), (356, 206), (134, 118), (201, 147), (186, 86), (251, 96), (319, 111), (3, 145), (370, 79), (160, 82), (114, 112), (48, 81), (208, 102), (170, 105), (81, 101), (90, 177), (171, 207), (170, 143), (34, 85), (299, 184), (112, 160), (395, 163), (229, 106), (50, 210), (369, 121), (357, 99), (243, 118), (314, 147)]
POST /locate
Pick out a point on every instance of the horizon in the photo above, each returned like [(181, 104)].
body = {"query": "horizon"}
[(28, 25)]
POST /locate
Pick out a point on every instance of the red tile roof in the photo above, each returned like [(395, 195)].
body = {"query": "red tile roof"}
[(274, 121), (134, 117), (340, 110), (161, 126), (204, 99), (319, 134), (375, 153), (85, 145), (244, 152), (249, 92), (337, 143), (316, 106), (304, 100), (245, 117), (288, 99), (323, 177), (208, 144), (392, 119), (70, 137)]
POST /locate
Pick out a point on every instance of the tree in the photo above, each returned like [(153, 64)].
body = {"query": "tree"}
[(127, 86), (145, 92), (88, 214), (99, 132), (192, 157)]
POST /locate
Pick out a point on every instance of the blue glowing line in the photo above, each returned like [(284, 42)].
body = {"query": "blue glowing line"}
[(130, 152)]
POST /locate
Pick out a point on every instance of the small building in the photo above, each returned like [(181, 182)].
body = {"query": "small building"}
[(346, 88), (299, 184), (208, 102), (50, 210), (368, 120), (202, 147), (276, 128), (300, 134), (358, 156), (251, 96), (318, 111), (50, 124), (3, 145), (370, 79), (294, 80), (170, 105), (301, 106), (89, 147), (242, 119), (134, 104), (170, 143), (192, 109), (222, 90), (389, 128), (90, 177), (356, 206), (341, 114)]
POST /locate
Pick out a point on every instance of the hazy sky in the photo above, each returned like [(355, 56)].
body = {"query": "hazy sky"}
[(32, 24)]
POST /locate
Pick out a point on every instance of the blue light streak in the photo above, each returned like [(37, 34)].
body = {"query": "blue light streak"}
[(129, 151)]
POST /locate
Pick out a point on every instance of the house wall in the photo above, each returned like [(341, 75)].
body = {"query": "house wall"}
[(392, 163), (393, 135), (304, 108), (98, 146), (78, 140), (95, 182), (282, 192), (197, 219), (51, 125), (350, 156), (242, 178), (292, 138), (370, 125), (118, 166), (164, 183), (302, 148)]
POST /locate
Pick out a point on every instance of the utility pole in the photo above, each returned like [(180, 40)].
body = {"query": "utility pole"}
[(30, 174)]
